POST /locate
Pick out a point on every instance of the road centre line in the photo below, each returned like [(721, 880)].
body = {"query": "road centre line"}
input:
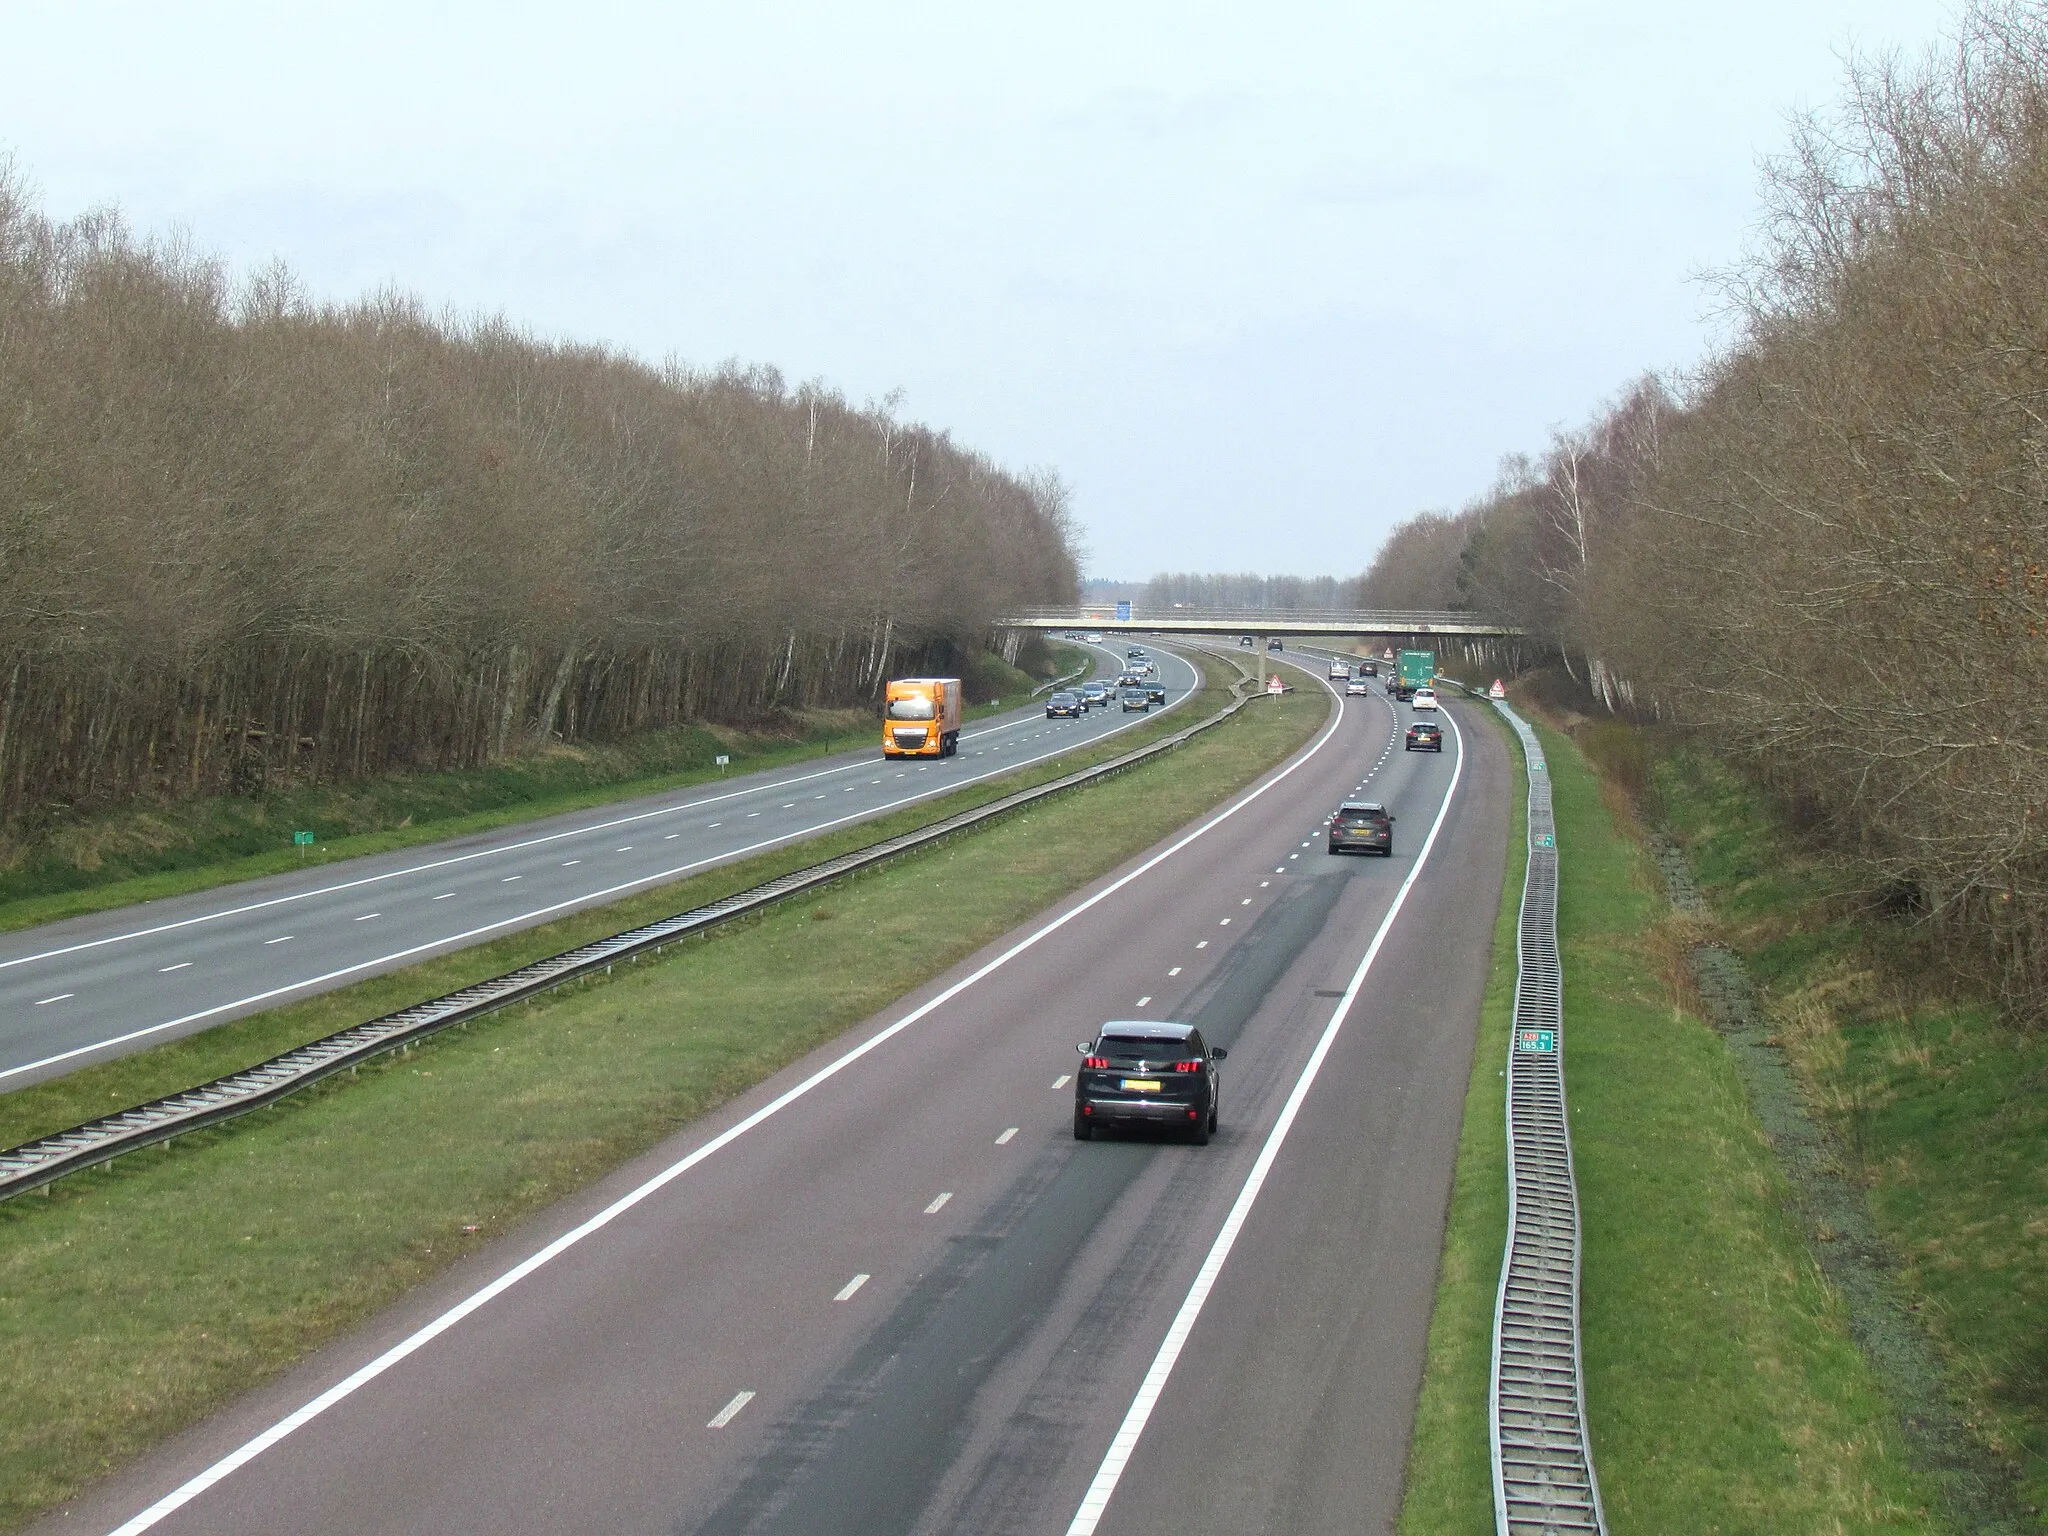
[(1125, 1441), (846, 1291), (1062, 1080), (342, 1390), (1004, 1139), (181, 965), (939, 1204), (535, 842), (42, 1001), (587, 898)]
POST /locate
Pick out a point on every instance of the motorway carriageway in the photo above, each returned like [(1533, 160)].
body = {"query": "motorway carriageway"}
[(887, 1290), (94, 987)]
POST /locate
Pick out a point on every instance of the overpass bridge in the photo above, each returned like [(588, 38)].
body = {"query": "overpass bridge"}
[(1388, 623)]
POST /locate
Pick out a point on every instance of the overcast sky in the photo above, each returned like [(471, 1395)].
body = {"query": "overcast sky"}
[(1257, 280)]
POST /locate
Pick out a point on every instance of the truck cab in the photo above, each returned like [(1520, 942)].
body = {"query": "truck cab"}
[(921, 717)]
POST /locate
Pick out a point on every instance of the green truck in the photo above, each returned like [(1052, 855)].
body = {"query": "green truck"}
[(1417, 670)]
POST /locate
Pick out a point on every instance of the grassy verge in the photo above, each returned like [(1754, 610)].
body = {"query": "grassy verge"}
[(149, 852), (1938, 1104), (26, 1113), (1449, 1477), (1724, 1389), (135, 1299)]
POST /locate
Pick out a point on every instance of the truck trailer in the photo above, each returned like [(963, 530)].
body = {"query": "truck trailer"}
[(921, 717), (1418, 670)]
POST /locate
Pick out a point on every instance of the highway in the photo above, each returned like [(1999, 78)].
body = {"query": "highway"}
[(94, 987), (887, 1290)]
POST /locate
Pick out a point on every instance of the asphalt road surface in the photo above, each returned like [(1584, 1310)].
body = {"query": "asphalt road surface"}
[(889, 1292), (94, 987)]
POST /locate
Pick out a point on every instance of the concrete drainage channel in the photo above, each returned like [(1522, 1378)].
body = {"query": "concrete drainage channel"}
[(37, 1164), (1543, 1478)]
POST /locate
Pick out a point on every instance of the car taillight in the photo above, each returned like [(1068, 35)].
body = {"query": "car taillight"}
[(1100, 1063), (1187, 1066)]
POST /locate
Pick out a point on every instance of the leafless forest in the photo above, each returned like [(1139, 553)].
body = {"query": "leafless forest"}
[(1826, 552), (249, 539)]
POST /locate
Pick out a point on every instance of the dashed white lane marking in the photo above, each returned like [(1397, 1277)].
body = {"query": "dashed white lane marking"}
[(572, 863), (1145, 999), (731, 1410), (510, 878), (444, 896), (1004, 1138), (1305, 844), (672, 837), (849, 790), (789, 807), (282, 939), (181, 965), (367, 916), (714, 826), (1125, 1441), (846, 1291), (934, 1208), (627, 849), (1203, 944), (1174, 972), (1224, 924), (1264, 883), (41, 1001), (1063, 1079), (1246, 902), (1279, 869), (1296, 855), (752, 814)]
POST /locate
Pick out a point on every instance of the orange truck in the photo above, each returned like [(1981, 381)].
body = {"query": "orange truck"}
[(921, 717)]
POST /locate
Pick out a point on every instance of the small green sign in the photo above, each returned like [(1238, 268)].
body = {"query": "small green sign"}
[(302, 839), (1545, 840), (1539, 1042)]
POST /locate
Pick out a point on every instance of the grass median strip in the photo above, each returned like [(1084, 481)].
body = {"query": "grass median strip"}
[(134, 1300), (1724, 1391), (97, 1090)]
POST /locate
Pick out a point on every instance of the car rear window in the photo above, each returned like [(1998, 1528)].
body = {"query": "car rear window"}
[(1119, 1048)]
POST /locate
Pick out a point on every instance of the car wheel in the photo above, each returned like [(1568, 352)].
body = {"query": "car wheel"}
[(1198, 1133), (1333, 848), (1212, 1116), (1084, 1128)]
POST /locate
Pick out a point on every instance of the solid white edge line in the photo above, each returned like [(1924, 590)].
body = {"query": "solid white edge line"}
[(242, 1455), (552, 837), (459, 939), (1125, 1442)]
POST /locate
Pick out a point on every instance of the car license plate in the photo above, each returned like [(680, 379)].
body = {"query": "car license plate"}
[(1141, 1085)]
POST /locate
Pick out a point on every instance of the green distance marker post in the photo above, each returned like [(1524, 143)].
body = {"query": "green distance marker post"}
[(302, 841)]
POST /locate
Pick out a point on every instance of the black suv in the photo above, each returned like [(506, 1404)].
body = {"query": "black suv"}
[(1424, 736), (1363, 825), (1140, 1073), (1067, 704)]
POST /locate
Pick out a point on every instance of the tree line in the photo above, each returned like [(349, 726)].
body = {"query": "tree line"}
[(1824, 552), (248, 539)]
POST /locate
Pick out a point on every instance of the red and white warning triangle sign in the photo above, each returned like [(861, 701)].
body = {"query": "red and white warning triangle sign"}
[(1496, 691), (1274, 685)]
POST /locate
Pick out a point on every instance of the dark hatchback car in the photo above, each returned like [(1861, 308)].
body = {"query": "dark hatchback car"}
[(1155, 690), (1424, 736), (1064, 704), (1140, 1073), (1133, 697), (1362, 825)]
